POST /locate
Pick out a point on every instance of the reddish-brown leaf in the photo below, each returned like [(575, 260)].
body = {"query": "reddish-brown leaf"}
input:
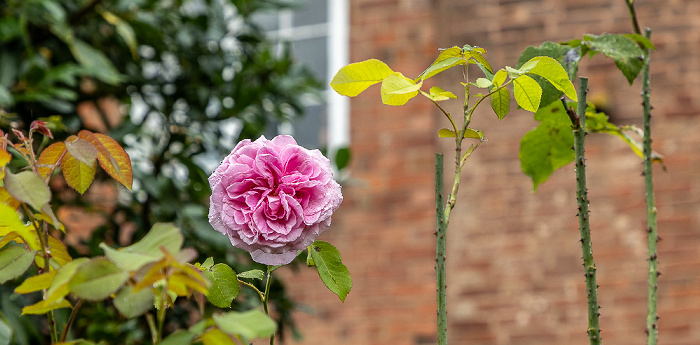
[(112, 157), (49, 158)]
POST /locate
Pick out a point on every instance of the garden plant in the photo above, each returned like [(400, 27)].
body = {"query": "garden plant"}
[(272, 198), (541, 83)]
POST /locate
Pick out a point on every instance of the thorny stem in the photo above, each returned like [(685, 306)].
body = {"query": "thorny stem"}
[(579, 128), (441, 227), (652, 230)]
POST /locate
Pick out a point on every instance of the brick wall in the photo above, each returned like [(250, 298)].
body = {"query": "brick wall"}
[(514, 261)]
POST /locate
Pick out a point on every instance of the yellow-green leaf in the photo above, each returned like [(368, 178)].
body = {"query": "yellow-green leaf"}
[(550, 69), (36, 283), (483, 83), (9, 220), (5, 158), (527, 93), (500, 101), (43, 306), (356, 77), (112, 157), (147, 250), (215, 336), (447, 58), (58, 251), (500, 77), (446, 133), (78, 175), (397, 89)]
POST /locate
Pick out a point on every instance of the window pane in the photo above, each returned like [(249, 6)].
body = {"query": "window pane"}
[(269, 21), (312, 52), (311, 12), (309, 130)]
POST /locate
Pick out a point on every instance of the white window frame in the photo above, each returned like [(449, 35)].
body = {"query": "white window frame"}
[(337, 32)]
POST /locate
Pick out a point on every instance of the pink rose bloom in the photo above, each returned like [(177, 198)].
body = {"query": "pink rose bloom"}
[(273, 198)]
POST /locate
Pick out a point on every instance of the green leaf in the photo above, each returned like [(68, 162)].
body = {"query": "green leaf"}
[(249, 325), (567, 55), (356, 77), (181, 337), (641, 40), (27, 187), (95, 62), (224, 285), (500, 102), (147, 250), (124, 30), (626, 53), (5, 333), (133, 304), (483, 83), (342, 158), (549, 146), (6, 98), (331, 270), (527, 93), (97, 279), (14, 261), (59, 285), (397, 89), (207, 264), (252, 274), (548, 68)]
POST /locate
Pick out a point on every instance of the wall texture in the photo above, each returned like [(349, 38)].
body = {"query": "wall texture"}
[(514, 261)]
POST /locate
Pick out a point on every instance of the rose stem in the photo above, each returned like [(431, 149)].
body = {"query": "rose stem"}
[(440, 251), (579, 128)]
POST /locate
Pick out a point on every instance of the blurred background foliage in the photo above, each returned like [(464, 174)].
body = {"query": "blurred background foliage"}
[(178, 83)]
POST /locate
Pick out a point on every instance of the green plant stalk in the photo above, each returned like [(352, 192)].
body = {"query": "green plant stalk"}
[(652, 230), (152, 328), (441, 226), (43, 235), (268, 283), (579, 127), (71, 319), (160, 313), (633, 16)]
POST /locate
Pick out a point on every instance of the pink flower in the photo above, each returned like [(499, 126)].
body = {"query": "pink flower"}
[(273, 198)]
